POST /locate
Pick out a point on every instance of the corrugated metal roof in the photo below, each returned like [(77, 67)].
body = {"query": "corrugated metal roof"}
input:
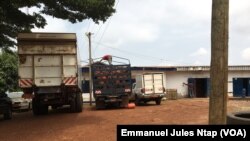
[(182, 68), (207, 68), (154, 68), (239, 68), (193, 68), (86, 69)]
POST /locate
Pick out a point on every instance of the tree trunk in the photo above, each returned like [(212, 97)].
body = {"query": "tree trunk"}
[(219, 62)]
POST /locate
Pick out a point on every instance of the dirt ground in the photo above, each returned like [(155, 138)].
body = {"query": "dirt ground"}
[(100, 125)]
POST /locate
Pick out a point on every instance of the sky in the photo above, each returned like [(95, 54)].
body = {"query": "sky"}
[(160, 33)]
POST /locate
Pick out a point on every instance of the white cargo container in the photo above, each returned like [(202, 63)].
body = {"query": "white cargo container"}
[(148, 87), (48, 69)]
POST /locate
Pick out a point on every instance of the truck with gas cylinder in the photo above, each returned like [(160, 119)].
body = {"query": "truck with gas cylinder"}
[(112, 85)]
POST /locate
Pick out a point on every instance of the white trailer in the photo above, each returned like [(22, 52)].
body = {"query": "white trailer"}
[(148, 87), (48, 70)]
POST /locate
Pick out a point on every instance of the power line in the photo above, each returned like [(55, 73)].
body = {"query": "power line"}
[(138, 54), (89, 25), (114, 48), (105, 29), (98, 31)]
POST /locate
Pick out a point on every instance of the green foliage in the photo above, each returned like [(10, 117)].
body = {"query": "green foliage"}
[(8, 71), (13, 20)]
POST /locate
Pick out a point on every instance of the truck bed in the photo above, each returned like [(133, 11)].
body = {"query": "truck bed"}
[(111, 79), (47, 60)]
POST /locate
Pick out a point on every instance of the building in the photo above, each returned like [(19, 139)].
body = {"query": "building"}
[(178, 77)]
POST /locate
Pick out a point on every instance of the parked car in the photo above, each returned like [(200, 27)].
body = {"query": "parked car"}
[(5, 106), (19, 103)]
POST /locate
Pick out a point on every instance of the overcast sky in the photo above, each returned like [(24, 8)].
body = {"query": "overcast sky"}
[(162, 32)]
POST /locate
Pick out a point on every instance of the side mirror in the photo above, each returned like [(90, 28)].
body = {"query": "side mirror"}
[(133, 86)]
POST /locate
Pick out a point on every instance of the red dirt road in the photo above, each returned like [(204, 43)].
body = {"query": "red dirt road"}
[(100, 125)]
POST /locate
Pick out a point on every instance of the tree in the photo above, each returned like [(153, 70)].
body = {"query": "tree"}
[(13, 20), (219, 62), (8, 71)]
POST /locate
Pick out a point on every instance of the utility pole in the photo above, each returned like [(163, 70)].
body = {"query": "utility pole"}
[(219, 62), (90, 70)]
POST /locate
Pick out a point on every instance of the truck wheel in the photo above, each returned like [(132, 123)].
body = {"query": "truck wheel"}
[(73, 106), (29, 108), (100, 104), (8, 114), (125, 101), (79, 102), (137, 101), (35, 107), (43, 109), (158, 101)]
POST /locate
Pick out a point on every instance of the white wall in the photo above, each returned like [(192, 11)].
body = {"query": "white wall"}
[(175, 79)]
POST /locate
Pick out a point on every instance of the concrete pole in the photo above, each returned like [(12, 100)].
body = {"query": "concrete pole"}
[(90, 70)]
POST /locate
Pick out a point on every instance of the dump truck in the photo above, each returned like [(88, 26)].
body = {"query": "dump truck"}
[(148, 87), (48, 70), (112, 85)]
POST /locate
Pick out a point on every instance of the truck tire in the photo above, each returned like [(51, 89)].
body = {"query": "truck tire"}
[(8, 114), (29, 108), (158, 101), (125, 101), (100, 104), (43, 109), (239, 118), (73, 105), (39, 109), (137, 101), (35, 107), (79, 103)]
